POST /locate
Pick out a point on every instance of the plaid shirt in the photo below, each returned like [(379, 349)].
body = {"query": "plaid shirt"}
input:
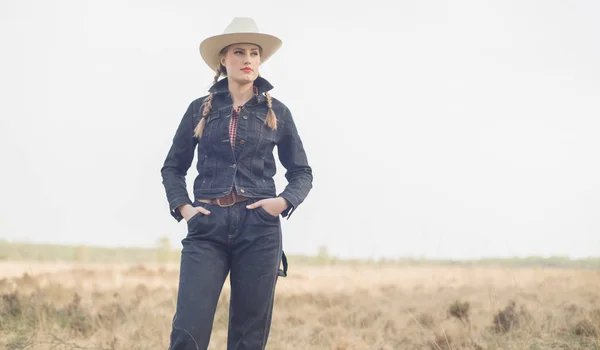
[(235, 113), (233, 125)]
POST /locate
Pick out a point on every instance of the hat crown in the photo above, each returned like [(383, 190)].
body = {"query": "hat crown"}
[(239, 30), (241, 25)]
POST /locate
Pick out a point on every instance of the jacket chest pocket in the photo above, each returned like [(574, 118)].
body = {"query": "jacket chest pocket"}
[(215, 135), (261, 130), (216, 129)]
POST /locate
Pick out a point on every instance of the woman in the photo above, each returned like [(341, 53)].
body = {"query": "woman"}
[(233, 222)]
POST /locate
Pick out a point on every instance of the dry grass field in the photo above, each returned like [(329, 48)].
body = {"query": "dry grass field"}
[(342, 306)]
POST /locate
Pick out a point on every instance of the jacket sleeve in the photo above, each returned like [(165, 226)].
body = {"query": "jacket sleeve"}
[(293, 157), (178, 161)]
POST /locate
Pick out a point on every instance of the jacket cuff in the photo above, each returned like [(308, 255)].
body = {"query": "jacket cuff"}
[(174, 207), (294, 203)]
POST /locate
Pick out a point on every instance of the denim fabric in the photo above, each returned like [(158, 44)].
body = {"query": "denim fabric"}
[(245, 243), (250, 166)]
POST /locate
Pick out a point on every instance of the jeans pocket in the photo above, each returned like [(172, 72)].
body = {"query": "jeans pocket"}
[(198, 215), (190, 220), (265, 216)]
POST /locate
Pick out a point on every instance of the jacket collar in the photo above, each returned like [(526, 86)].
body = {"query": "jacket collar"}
[(260, 83)]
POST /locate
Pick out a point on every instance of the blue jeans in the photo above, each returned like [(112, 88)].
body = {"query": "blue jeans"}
[(246, 243)]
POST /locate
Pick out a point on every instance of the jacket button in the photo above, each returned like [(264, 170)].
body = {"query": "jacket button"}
[(242, 142), (242, 190), (245, 117), (233, 165)]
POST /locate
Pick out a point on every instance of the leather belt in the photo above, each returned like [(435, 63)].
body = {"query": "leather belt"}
[(227, 201)]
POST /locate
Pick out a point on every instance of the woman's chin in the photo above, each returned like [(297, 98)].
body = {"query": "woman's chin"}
[(244, 79)]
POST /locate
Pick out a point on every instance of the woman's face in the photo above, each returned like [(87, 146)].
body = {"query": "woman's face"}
[(242, 62)]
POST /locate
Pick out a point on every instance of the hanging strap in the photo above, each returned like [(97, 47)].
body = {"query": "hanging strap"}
[(280, 272)]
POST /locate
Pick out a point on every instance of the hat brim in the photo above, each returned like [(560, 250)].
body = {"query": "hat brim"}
[(212, 46)]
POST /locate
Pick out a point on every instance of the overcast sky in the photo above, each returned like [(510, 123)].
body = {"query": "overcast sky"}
[(447, 129)]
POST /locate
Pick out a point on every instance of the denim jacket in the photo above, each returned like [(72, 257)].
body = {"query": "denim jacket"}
[(250, 165)]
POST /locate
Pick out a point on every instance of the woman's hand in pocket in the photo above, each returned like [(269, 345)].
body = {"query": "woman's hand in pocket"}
[(188, 211), (273, 206)]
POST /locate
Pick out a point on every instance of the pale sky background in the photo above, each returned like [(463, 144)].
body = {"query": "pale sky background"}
[(445, 129)]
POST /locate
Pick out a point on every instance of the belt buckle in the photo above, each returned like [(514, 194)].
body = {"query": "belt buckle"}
[(227, 205)]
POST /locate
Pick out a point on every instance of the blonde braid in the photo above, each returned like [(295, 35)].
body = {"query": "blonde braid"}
[(207, 106), (271, 119)]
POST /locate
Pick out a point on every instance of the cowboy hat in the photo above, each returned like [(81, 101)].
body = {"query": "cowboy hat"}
[(240, 30)]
